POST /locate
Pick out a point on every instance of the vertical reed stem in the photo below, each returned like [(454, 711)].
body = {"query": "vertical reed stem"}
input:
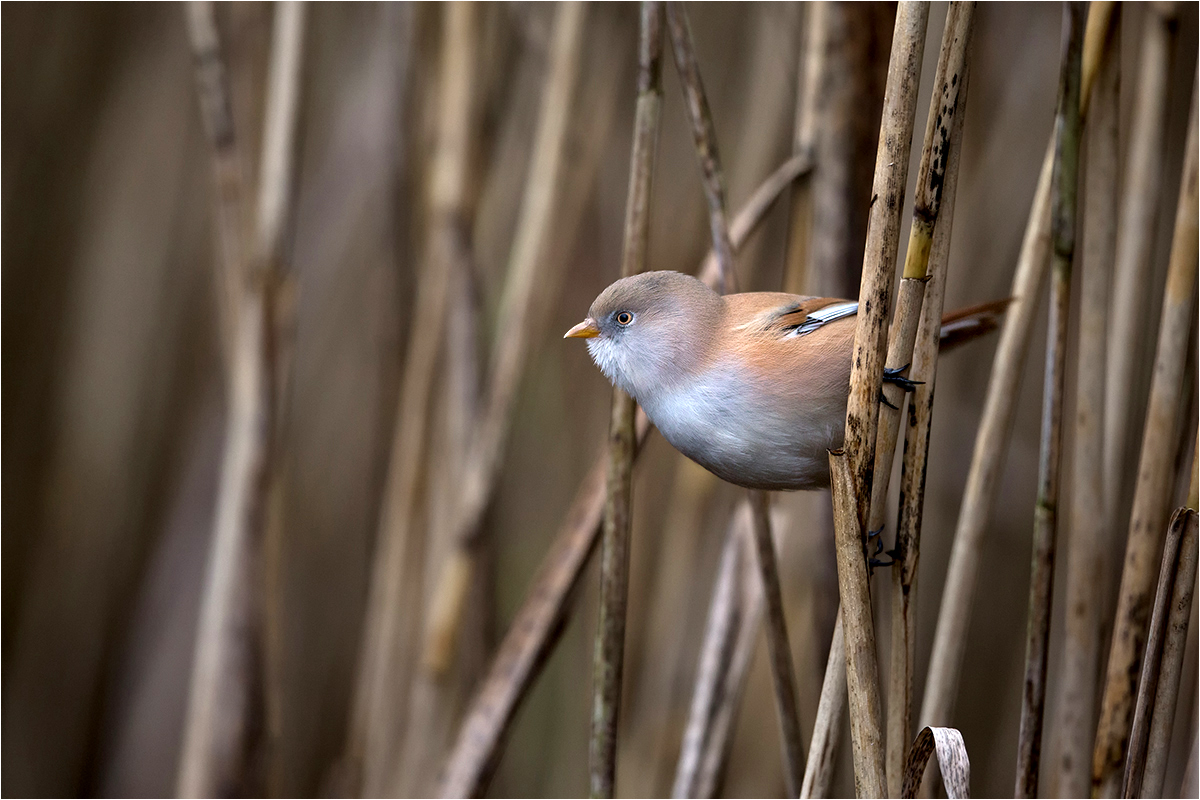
[(1088, 558), (922, 292), (1152, 495), (622, 439), (1045, 522)]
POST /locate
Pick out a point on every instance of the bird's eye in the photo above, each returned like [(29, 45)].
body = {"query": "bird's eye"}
[(624, 318)]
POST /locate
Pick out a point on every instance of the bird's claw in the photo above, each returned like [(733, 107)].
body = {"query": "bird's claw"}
[(895, 377), (872, 561)]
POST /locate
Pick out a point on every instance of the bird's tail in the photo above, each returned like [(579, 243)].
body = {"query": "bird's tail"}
[(968, 324)]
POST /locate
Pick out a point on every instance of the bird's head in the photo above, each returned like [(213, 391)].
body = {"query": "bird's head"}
[(647, 331)]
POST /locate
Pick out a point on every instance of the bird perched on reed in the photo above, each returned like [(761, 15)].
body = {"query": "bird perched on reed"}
[(751, 386)]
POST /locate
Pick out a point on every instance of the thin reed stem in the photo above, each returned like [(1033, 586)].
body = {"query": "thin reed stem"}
[(1088, 560), (991, 448), (534, 629), (382, 686), (622, 439), (862, 675), (223, 728), (1170, 675), (704, 134), (1140, 189), (1152, 661), (922, 295), (780, 650), (212, 86), (827, 729), (1154, 483), (866, 377), (1045, 520)]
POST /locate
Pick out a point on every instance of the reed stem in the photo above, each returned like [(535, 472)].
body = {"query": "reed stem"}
[(1154, 483), (1045, 521)]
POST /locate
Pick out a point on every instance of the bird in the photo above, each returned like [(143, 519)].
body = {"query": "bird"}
[(752, 386)]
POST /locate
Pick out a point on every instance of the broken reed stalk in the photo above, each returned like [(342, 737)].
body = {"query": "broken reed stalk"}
[(862, 677), (622, 439), (1154, 484), (1088, 560), (922, 296), (216, 109), (378, 715), (1170, 676), (223, 728), (1140, 189), (534, 629), (704, 134), (1152, 660), (1063, 197), (866, 377), (991, 445)]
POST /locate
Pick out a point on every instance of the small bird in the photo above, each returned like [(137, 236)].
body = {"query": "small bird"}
[(751, 386)]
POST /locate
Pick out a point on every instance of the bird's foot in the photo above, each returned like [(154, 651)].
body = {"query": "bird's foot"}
[(895, 377), (872, 561)]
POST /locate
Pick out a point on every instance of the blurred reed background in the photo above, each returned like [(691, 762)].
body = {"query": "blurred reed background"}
[(323, 256)]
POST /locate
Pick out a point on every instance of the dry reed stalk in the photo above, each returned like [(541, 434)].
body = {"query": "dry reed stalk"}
[(521, 318), (827, 729), (533, 631), (1088, 557), (1190, 786), (862, 676), (1063, 202), (866, 377), (1140, 188), (953, 763), (227, 693), (1173, 600), (812, 79), (1152, 494), (883, 239), (622, 439), (704, 134), (782, 672), (212, 86), (735, 615), (376, 726), (991, 443), (922, 296)]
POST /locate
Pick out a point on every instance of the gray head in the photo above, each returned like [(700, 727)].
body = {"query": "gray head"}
[(647, 331)]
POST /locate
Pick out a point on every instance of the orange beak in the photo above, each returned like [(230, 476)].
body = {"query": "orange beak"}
[(584, 330)]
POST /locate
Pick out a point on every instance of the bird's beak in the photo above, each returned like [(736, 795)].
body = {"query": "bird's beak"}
[(584, 330)]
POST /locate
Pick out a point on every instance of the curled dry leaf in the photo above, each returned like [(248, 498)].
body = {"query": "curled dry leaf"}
[(952, 761)]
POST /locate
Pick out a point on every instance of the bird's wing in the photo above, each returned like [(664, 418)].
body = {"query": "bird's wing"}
[(787, 315)]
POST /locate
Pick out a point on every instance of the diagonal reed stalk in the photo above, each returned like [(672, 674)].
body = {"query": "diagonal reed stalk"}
[(534, 629), (850, 472), (622, 437), (1152, 493), (223, 727), (377, 718), (1175, 562), (991, 443), (704, 134), (1063, 197), (1088, 559)]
